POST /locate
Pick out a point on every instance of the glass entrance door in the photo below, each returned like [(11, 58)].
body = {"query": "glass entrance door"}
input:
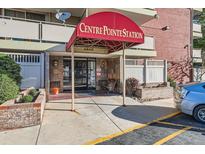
[(84, 73), (81, 74)]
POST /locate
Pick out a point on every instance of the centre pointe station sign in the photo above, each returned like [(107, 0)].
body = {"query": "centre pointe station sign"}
[(107, 31), (108, 28)]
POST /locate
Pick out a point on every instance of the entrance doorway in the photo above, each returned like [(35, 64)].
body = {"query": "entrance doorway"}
[(85, 70)]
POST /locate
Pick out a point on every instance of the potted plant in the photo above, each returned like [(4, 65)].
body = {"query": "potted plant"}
[(131, 86)]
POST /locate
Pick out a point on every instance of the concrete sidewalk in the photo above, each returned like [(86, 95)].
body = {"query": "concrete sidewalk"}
[(95, 117)]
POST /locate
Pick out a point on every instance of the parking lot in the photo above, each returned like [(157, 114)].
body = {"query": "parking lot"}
[(103, 120), (177, 130)]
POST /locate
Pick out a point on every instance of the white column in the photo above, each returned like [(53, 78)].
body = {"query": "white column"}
[(42, 60), (124, 81), (121, 74), (47, 75), (73, 79), (165, 70), (145, 71)]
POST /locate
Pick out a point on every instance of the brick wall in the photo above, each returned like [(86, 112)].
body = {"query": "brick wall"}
[(23, 114), (148, 94), (170, 44), (56, 72)]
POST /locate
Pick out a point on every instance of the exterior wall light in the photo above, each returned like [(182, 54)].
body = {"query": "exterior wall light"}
[(156, 16), (55, 63), (165, 28)]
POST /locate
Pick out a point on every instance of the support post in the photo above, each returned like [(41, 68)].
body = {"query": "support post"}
[(73, 79), (42, 69), (47, 75), (124, 82), (165, 71), (145, 71)]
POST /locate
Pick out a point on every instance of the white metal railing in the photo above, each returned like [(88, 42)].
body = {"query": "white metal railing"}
[(149, 43), (25, 57), (135, 10), (196, 28), (149, 71), (32, 68), (197, 53), (17, 28), (26, 29)]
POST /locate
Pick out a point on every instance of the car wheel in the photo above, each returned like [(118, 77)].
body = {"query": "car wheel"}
[(199, 113)]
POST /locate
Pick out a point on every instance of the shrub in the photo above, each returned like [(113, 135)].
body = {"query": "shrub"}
[(131, 86), (172, 82), (8, 88), (27, 98), (10, 67), (33, 92)]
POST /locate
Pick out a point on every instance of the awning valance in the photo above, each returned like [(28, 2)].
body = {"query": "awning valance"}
[(106, 29)]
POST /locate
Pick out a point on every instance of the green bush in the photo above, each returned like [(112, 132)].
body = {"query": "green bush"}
[(8, 88), (172, 82), (33, 92), (27, 98), (10, 67)]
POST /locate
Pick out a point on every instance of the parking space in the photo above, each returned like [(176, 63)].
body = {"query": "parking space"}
[(186, 120), (180, 129)]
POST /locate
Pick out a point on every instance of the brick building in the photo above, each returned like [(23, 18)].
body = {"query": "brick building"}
[(45, 63), (174, 44)]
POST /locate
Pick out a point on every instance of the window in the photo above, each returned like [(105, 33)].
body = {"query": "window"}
[(196, 18), (27, 15), (35, 16), (13, 13)]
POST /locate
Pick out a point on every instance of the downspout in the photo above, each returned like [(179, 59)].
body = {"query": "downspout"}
[(191, 43)]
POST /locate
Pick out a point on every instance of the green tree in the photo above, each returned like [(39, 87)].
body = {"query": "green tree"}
[(10, 67), (199, 43)]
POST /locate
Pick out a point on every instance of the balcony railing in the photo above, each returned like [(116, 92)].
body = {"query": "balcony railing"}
[(23, 29), (149, 44), (17, 28), (138, 10), (197, 30), (196, 27), (196, 53)]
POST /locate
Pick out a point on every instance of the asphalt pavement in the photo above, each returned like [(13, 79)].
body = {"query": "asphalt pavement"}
[(177, 130)]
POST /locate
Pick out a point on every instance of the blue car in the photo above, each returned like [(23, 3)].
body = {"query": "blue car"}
[(190, 100)]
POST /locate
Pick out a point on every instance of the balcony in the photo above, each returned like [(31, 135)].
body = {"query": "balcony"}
[(197, 60), (197, 30), (23, 34), (197, 56), (198, 9), (196, 53), (28, 30), (139, 15), (147, 49)]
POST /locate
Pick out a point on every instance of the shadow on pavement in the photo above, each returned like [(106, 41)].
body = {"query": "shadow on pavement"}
[(147, 113), (186, 120), (141, 113)]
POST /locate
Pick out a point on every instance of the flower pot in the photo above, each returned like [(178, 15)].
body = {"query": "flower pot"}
[(55, 91)]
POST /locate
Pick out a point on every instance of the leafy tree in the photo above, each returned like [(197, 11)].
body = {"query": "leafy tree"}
[(200, 42), (10, 67)]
